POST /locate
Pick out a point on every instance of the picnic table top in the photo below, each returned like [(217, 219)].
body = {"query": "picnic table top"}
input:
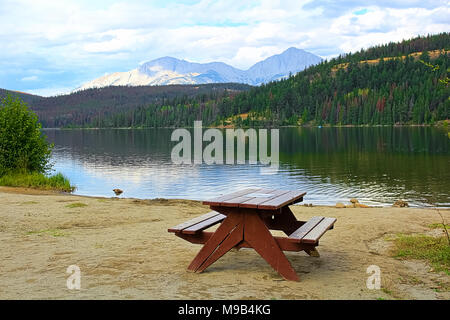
[(268, 199)]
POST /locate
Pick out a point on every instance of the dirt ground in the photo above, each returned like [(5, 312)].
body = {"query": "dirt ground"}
[(124, 251)]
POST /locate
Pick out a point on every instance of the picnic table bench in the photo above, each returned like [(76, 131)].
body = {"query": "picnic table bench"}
[(245, 218)]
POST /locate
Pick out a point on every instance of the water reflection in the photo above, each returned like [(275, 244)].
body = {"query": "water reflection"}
[(376, 165)]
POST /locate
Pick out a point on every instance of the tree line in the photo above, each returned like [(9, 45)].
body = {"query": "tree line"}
[(395, 83), (402, 89)]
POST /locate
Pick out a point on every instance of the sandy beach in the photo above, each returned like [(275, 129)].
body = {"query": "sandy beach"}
[(124, 251)]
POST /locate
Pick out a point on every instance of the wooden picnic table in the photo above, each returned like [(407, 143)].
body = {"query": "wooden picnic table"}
[(246, 218)]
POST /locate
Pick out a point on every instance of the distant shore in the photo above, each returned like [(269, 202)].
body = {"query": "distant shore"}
[(125, 252), (436, 125)]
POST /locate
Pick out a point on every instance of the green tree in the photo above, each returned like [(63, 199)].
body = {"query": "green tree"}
[(22, 145)]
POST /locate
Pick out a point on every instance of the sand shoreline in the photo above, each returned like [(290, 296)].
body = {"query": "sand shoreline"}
[(124, 251)]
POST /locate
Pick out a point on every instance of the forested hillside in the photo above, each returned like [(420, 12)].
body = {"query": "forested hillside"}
[(94, 106), (396, 83)]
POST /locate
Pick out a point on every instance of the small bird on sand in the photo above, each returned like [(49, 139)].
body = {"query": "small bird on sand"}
[(118, 192)]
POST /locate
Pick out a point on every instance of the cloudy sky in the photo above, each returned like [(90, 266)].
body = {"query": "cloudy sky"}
[(51, 47)]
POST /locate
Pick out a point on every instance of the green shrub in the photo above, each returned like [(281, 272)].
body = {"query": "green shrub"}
[(23, 147)]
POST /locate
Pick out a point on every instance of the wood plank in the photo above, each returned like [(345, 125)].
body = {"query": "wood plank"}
[(253, 203), (282, 200), (284, 243), (191, 222), (314, 235), (235, 202), (219, 200), (204, 224), (198, 238), (227, 210), (307, 227)]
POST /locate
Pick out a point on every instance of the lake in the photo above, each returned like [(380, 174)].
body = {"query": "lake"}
[(376, 165)]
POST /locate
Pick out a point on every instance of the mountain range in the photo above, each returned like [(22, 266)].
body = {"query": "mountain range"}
[(396, 83), (168, 71)]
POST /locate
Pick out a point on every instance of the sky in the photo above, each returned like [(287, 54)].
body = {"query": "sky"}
[(52, 47)]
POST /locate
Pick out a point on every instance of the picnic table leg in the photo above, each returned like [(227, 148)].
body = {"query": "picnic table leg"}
[(313, 252), (285, 221), (234, 238), (219, 238), (259, 237)]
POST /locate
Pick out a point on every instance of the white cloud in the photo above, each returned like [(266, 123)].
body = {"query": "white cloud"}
[(50, 91), (76, 41), (383, 25), (30, 78), (117, 40), (247, 56)]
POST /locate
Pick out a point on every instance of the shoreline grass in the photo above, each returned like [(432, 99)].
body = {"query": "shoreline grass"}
[(76, 205), (57, 182), (434, 250)]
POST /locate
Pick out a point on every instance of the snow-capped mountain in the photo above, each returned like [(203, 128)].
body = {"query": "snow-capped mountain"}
[(168, 70), (280, 65)]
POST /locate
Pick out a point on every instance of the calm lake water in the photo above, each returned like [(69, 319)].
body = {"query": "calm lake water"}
[(375, 165)]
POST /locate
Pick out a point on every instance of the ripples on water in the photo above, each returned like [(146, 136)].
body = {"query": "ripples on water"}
[(375, 165)]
